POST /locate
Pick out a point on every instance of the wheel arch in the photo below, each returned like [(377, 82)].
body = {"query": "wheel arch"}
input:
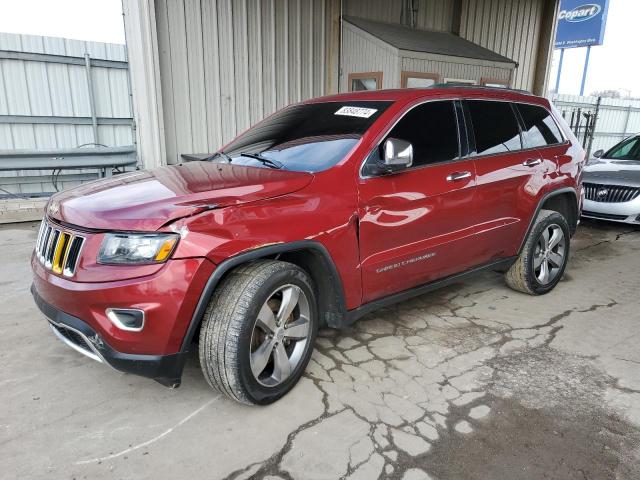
[(563, 201), (309, 255)]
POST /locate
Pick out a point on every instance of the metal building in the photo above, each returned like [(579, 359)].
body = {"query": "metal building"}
[(57, 95), (384, 55), (204, 70)]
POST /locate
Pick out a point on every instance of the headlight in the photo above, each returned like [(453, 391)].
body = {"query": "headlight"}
[(137, 248)]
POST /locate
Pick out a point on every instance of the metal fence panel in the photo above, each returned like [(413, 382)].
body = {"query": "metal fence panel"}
[(46, 96), (616, 118)]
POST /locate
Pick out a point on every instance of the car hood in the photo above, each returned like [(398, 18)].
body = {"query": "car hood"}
[(148, 199), (613, 172)]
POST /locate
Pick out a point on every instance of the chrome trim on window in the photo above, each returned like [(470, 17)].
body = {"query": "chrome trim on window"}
[(463, 98)]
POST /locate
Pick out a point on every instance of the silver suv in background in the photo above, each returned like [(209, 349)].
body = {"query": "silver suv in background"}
[(612, 183)]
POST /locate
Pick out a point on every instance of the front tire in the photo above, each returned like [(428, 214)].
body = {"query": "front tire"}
[(544, 256), (258, 331)]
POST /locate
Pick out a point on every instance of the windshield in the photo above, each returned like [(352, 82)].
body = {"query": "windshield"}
[(310, 137), (628, 150)]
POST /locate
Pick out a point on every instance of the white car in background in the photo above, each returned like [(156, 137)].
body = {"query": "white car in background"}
[(611, 183)]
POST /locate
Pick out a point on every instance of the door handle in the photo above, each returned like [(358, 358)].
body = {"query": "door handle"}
[(532, 162), (454, 177)]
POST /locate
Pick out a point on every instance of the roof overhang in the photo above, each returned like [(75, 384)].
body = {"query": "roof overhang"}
[(429, 44)]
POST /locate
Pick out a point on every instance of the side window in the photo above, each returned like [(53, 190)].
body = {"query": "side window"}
[(495, 127), (432, 130), (540, 128)]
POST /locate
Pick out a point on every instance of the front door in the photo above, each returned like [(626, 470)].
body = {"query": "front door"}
[(415, 225)]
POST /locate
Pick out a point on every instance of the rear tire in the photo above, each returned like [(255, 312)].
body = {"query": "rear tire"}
[(544, 256), (258, 331)]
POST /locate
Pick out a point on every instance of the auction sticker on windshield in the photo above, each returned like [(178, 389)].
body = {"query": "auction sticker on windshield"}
[(356, 112)]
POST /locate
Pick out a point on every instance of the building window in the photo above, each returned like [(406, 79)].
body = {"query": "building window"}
[(494, 82), (365, 81), (418, 79), (460, 80)]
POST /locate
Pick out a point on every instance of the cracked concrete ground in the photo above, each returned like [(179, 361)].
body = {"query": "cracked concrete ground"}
[(474, 381)]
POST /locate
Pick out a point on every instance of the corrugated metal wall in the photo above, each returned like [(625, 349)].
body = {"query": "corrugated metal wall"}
[(225, 64), (221, 65), (508, 27), (454, 69), (36, 88), (431, 14), (362, 52)]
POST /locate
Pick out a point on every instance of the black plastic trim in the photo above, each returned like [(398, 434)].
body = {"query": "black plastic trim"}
[(165, 369), (604, 216), (355, 314), (245, 257), (463, 130), (546, 197)]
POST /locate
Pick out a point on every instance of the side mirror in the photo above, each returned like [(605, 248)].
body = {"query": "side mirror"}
[(598, 153), (397, 154)]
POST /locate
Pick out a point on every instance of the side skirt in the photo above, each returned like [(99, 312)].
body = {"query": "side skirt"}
[(357, 313)]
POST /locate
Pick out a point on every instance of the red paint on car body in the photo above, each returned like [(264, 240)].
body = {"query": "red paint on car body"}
[(384, 234)]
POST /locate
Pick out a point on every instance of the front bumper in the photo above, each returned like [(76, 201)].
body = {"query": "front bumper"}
[(167, 298), (77, 334), (624, 212)]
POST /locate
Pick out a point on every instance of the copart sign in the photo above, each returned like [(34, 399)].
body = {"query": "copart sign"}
[(580, 23)]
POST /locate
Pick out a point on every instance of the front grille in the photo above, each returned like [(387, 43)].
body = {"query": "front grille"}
[(606, 216), (57, 249), (610, 193)]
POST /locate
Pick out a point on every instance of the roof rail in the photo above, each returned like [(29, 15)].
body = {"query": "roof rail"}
[(483, 87)]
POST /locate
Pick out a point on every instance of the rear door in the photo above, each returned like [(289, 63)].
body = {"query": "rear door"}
[(416, 225), (541, 132), (508, 177)]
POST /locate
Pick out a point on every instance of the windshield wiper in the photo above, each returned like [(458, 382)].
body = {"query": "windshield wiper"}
[(264, 160), (220, 154)]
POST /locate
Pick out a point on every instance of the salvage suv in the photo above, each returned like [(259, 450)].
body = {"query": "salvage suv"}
[(317, 215)]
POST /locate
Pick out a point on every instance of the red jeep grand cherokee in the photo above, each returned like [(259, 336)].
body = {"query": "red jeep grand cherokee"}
[(319, 214)]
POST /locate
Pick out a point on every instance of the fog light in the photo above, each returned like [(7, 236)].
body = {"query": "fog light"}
[(129, 319)]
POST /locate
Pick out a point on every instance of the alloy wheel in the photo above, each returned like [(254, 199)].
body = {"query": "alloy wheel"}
[(548, 258), (280, 335)]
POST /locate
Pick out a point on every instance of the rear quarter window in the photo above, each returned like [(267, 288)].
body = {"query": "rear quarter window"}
[(540, 129)]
